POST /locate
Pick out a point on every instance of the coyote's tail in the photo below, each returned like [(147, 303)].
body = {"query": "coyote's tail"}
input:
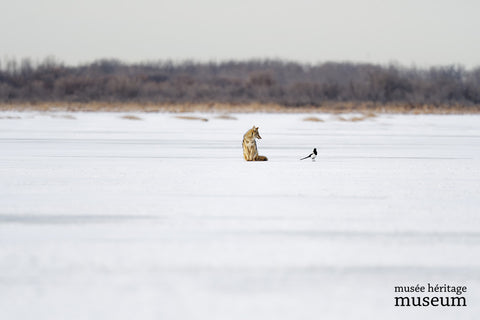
[(261, 158)]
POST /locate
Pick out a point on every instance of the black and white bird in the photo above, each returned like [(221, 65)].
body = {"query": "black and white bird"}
[(312, 155)]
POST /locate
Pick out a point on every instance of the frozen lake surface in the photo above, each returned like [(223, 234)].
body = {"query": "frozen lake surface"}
[(103, 217)]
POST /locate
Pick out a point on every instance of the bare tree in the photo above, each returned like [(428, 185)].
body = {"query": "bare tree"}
[(260, 81)]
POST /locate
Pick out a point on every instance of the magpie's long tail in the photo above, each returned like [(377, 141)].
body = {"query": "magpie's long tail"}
[(305, 158)]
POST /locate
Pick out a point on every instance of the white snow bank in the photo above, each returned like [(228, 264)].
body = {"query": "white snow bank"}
[(103, 217)]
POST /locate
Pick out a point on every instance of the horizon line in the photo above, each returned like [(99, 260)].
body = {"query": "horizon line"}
[(53, 59)]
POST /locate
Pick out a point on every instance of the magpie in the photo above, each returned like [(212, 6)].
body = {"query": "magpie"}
[(312, 155)]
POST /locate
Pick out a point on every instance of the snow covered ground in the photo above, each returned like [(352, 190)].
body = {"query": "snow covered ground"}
[(103, 217)]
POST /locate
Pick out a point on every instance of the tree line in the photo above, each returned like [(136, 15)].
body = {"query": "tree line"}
[(237, 82)]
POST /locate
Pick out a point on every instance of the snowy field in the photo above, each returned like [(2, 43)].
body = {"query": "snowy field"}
[(103, 217)]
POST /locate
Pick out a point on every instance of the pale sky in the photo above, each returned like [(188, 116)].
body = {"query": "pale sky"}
[(409, 32)]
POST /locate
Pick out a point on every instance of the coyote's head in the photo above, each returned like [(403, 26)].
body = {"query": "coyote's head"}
[(255, 133)]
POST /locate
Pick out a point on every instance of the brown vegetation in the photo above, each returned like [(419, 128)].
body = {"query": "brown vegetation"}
[(191, 118), (255, 85), (10, 117), (355, 118), (225, 117), (332, 107), (313, 119), (131, 117)]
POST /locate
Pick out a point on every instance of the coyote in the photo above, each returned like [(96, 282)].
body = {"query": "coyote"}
[(250, 152)]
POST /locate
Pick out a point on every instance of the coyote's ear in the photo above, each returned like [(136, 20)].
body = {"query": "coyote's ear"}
[(253, 127)]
